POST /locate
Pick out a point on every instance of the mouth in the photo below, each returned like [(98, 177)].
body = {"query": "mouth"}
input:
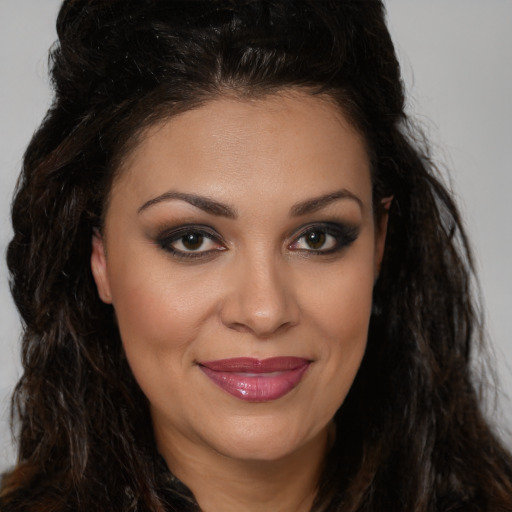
[(256, 380)]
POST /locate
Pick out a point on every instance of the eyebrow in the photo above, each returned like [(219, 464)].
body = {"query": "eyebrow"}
[(203, 203), (317, 203), (223, 210)]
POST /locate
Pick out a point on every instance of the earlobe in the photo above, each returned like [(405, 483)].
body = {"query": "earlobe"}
[(381, 229), (99, 267)]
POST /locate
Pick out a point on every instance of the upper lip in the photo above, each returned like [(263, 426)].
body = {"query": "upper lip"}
[(253, 365)]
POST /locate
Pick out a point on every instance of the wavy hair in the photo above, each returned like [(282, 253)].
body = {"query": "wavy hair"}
[(411, 435)]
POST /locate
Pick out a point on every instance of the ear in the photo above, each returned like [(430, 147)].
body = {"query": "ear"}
[(99, 268), (381, 229)]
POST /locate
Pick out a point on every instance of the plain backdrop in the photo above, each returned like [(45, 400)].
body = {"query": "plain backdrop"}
[(455, 57)]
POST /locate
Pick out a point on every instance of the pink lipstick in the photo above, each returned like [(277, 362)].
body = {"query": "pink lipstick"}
[(256, 380)]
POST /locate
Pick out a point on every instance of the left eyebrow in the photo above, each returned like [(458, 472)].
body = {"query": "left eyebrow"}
[(317, 203)]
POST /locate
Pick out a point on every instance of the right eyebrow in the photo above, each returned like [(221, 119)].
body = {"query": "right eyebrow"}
[(203, 203)]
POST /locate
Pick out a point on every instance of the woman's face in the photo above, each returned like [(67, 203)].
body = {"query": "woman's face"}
[(239, 254)]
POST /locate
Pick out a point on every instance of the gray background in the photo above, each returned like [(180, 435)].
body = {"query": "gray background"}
[(456, 57)]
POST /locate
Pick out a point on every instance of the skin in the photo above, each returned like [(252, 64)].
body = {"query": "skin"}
[(257, 290)]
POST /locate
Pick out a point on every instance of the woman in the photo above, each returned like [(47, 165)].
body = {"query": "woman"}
[(242, 284)]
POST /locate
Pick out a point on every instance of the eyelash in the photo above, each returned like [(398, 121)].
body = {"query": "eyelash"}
[(343, 236), (166, 240)]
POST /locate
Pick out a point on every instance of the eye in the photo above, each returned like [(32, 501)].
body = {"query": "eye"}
[(316, 240), (325, 238), (191, 242)]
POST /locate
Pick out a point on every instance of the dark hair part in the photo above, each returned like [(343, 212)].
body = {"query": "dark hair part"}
[(410, 434)]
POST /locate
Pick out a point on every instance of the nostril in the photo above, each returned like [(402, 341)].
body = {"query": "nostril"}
[(260, 331), (239, 327)]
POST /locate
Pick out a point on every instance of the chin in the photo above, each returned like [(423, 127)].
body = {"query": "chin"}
[(266, 439)]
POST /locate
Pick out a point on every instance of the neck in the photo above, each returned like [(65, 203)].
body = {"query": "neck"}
[(224, 484)]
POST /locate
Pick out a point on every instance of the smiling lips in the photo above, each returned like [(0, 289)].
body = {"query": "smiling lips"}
[(255, 380)]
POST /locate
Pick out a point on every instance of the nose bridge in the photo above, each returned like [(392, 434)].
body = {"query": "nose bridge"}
[(261, 298)]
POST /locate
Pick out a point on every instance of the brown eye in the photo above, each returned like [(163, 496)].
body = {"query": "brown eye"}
[(315, 239), (192, 241), (325, 238)]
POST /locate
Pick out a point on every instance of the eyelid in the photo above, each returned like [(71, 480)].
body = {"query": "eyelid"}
[(167, 237), (345, 234)]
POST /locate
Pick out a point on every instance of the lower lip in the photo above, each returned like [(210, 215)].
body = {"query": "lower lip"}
[(257, 388)]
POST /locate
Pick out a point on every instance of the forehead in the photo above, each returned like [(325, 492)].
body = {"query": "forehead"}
[(291, 141)]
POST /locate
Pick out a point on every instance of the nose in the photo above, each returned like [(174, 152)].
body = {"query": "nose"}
[(260, 298)]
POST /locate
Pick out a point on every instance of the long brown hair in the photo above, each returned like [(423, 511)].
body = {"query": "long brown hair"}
[(411, 435)]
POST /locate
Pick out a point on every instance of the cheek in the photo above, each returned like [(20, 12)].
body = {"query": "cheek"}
[(160, 317), (159, 313), (340, 314), (346, 316), (339, 301)]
